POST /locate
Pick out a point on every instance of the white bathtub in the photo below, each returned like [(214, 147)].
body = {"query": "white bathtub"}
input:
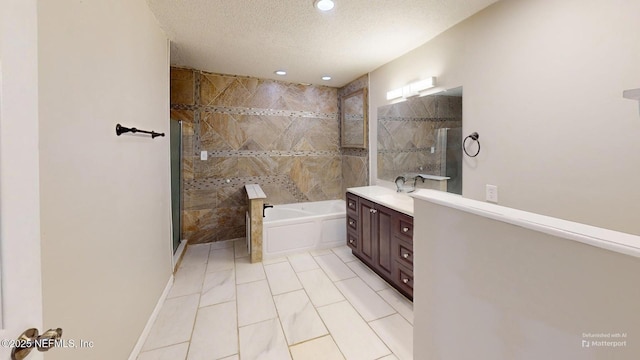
[(292, 228)]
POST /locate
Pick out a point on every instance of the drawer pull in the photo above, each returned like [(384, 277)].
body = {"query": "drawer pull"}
[(351, 204), (405, 229), (351, 222), (373, 211), (351, 241), (405, 255), (405, 280)]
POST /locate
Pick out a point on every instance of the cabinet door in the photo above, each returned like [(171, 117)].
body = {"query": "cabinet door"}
[(383, 241), (367, 212)]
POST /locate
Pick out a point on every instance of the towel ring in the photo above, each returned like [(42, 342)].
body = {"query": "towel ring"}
[(474, 137)]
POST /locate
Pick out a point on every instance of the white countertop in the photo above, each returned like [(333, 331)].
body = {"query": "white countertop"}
[(603, 238), (384, 196)]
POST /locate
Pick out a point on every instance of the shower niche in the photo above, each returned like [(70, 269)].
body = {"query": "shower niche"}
[(422, 135)]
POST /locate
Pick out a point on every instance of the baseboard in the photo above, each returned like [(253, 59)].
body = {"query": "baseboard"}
[(179, 254), (147, 328)]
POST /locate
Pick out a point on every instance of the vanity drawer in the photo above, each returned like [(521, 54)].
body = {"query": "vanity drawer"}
[(352, 223), (404, 254), (403, 279), (352, 204), (403, 226), (352, 240)]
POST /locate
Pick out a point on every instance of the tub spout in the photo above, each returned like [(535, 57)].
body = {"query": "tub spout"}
[(264, 207)]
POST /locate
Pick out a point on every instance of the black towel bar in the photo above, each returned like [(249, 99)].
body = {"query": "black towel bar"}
[(121, 130)]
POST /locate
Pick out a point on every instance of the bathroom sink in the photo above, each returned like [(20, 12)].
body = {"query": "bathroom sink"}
[(401, 201)]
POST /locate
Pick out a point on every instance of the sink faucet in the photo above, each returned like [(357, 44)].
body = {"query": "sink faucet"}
[(264, 207), (400, 180)]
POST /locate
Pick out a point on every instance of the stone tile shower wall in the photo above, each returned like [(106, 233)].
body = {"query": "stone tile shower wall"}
[(280, 135), (407, 131), (355, 162)]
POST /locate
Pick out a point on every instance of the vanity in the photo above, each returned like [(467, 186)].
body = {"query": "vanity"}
[(380, 233)]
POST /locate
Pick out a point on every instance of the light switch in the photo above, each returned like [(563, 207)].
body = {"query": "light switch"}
[(203, 155)]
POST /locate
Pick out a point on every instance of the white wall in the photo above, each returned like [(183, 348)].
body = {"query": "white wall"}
[(486, 289), (105, 200), (543, 84), (21, 289)]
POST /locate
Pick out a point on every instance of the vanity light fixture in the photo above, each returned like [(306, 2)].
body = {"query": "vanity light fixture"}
[(394, 94), (324, 5), (326, 78), (422, 85), (280, 72), (412, 89)]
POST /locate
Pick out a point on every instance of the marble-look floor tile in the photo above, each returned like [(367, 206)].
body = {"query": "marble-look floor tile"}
[(196, 254), (255, 303), (320, 288), (222, 244), (219, 287), (323, 348), (334, 267), (173, 352), (215, 333), (318, 252), (220, 259), (247, 272), (232, 357), (174, 322), (368, 276), (273, 261), (353, 335), (366, 301), (264, 341), (397, 333), (402, 305), (299, 319), (282, 278), (241, 248), (344, 253), (188, 280), (303, 262), (389, 357)]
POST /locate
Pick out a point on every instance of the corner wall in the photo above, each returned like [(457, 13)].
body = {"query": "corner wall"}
[(543, 84), (105, 200)]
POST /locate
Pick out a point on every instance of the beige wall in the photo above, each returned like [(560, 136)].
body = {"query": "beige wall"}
[(543, 84), (486, 289), (105, 200)]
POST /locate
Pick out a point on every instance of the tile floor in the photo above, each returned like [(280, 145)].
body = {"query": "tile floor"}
[(322, 304)]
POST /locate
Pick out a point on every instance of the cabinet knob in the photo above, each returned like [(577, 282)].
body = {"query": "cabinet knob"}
[(374, 211), (405, 280), (351, 241), (405, 229), (351, 222), (405, 255)]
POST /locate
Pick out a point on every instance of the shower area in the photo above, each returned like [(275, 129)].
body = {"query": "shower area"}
[(422, 135)]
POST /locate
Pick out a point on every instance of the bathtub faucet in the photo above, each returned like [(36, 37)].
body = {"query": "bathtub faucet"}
[(264, 207)]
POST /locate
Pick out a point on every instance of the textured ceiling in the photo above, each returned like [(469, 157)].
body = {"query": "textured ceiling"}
[(257, 37)]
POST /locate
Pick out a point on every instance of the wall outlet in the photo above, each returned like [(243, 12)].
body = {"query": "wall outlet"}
[(433, 149), (491, 193), (203, 155)]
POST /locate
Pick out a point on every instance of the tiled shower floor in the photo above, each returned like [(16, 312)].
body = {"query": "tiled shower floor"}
[(320, 305)]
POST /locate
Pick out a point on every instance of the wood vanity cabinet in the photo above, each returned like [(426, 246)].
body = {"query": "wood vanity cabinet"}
[(383, 239)]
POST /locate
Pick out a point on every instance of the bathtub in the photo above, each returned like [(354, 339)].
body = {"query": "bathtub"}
[(292, 228)]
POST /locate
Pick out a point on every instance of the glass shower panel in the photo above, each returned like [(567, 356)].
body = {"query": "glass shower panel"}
[(176, 179)]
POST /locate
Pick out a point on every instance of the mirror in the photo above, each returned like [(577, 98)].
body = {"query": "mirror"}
[(423, 135), (354, 120)]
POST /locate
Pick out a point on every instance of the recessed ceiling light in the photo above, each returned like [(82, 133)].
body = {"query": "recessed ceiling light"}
[(280, 72), (324, 5), (326, 78)]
